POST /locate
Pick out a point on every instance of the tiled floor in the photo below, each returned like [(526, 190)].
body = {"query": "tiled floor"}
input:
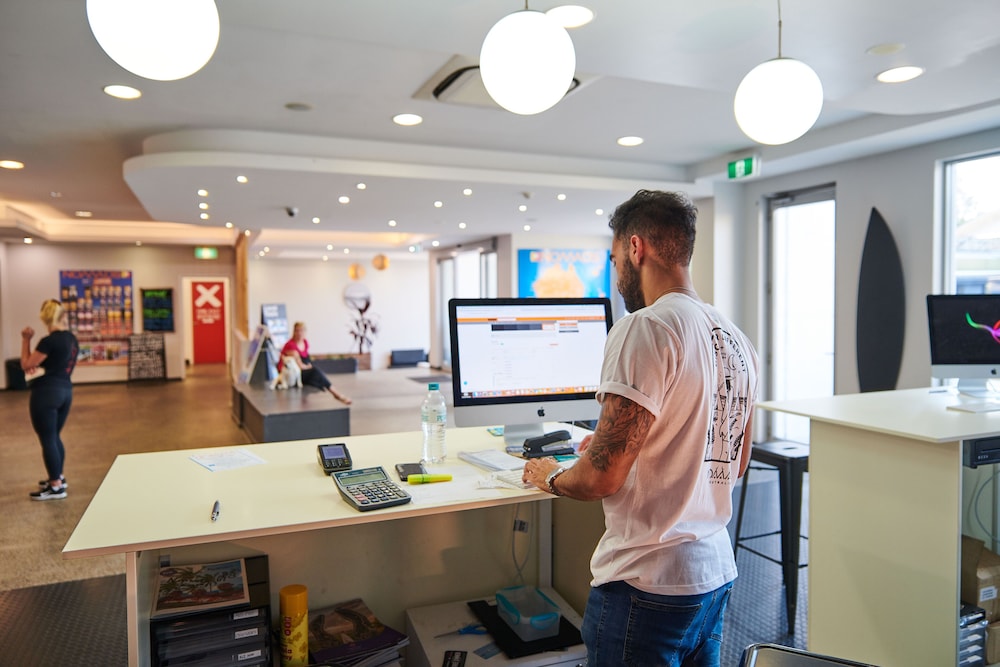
[(80, 619)]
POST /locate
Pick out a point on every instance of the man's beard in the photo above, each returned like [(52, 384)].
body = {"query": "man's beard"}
[(631, 290)]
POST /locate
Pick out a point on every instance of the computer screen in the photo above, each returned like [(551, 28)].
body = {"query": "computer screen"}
[(965, 339), (522, 362)]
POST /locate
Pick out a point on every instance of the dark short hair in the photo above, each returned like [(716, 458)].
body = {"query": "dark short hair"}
[(666, 220)]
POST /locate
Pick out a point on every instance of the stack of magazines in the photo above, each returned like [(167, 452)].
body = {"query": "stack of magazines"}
[(348, 634)]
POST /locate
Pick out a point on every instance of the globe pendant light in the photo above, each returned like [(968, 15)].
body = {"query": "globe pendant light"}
[(778, 100), (527, 62), (162, 40)]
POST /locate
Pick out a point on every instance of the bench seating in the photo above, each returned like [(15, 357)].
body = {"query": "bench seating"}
[(300, 413), (401, 358)]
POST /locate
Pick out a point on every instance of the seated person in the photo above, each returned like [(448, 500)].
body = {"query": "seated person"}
[(298, 348)]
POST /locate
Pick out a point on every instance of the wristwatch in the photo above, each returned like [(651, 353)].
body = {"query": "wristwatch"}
[(552, 478)]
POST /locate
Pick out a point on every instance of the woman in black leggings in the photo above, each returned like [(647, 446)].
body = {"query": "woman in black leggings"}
[(52, 393)]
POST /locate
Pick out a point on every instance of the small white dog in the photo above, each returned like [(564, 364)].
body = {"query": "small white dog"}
[(290, 375)]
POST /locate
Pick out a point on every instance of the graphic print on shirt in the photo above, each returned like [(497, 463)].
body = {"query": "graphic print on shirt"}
[(730, 401)]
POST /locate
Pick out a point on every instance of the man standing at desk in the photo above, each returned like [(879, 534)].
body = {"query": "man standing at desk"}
[(677, 393)]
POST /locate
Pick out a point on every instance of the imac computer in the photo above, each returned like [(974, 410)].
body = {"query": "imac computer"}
[(965, 340), (522, 362)]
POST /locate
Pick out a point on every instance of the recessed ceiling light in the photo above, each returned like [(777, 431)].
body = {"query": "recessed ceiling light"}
[(246, 232), (138, 243), (315, 221), (229, 225), (467, 192), (412, 248), (344, 199), (55, 195), (241, 179), (571, 16), (361, 186), (347, 251), (298, 106), (203, 206), (83, 214), (438, 204), (561, 197), (527, 228), (123, 92), (261, 253), (11, 164), (267, 248), (522, 208), (202, 193), (325, 258), (435, 243), (392, 223), (628, 142), (886, 49), (899, 74), (407, 119), (599, 211), (204, 216), (462, 225), (28, 240)]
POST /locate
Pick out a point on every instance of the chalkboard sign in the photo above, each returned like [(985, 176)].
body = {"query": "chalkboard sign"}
[(146, 357), (158, 309)]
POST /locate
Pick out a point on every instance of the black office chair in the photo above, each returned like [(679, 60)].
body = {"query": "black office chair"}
[(792, 461), (773, 655)]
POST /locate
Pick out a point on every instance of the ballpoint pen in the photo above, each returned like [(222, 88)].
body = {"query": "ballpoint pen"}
[(215, 510)]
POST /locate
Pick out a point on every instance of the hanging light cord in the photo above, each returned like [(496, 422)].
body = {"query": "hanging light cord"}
[(779, 26)]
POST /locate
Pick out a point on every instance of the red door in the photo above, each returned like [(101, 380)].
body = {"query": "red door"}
[(208, 299)]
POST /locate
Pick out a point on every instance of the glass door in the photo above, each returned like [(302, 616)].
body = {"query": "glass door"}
[(800, 354)]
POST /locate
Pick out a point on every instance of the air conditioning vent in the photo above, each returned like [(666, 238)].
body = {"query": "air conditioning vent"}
[(459, 82)]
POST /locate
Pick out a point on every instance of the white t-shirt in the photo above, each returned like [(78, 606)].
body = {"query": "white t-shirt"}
[(696, 373)]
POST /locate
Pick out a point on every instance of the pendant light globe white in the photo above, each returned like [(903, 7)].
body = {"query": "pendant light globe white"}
[(163, 40), (527, 62), (778, 101)]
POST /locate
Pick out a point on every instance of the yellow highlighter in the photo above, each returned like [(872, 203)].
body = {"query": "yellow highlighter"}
[(427, 479)]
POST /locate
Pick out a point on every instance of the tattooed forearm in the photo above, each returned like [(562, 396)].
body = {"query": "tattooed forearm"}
[(621, 429)]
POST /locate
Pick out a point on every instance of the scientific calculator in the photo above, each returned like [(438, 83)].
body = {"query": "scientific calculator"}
[(368, 489)]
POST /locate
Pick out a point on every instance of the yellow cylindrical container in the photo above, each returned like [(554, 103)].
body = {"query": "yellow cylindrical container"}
[(294, 603)]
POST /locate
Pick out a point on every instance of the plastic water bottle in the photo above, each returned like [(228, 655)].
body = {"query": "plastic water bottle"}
[(434, 418)]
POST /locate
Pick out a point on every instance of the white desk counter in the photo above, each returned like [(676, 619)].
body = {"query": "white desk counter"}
[(155, 505), (885, 518)]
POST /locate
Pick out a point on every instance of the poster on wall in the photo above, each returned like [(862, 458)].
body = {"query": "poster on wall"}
[(99, 309), (563, 273), (157, 309), (275, 318)]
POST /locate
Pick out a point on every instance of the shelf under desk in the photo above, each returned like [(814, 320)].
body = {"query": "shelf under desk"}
[(431, 550)]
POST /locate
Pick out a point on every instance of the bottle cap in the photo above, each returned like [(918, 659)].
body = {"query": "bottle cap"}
[(433, 386), (294, 600)]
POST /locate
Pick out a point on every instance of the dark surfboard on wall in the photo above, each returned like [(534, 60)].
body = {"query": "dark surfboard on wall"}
[(881, 309)]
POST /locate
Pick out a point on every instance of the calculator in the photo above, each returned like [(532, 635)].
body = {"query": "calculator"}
[(368, 489)]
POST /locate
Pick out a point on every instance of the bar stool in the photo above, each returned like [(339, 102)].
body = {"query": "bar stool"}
[(792, 460)]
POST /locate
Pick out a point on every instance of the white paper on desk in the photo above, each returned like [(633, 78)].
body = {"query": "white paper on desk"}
[(227, 459), (492, 459)]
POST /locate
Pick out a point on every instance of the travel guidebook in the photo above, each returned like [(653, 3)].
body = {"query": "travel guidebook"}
[(187, 589), (349, 633)]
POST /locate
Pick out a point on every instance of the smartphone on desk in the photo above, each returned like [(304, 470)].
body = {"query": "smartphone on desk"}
[(404, 470)]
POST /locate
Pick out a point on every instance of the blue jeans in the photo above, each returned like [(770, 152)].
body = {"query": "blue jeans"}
[(49, 406), (625, 626)]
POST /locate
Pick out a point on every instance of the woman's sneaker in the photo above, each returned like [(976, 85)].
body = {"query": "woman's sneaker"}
[(48, 493), (42, 483)]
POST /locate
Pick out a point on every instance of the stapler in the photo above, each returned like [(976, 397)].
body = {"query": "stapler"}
[(550, 444)]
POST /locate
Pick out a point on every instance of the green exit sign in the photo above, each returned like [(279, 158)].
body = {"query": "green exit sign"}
[(748, 166), (206, 252)]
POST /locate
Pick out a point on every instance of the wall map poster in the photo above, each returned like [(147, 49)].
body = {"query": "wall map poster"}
[(99, 310), (563, 273)]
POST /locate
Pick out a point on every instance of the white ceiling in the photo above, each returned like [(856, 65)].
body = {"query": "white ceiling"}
[(664, 70)]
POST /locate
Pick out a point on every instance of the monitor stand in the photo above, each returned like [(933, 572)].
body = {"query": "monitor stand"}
[(516, 434), (977, 388)]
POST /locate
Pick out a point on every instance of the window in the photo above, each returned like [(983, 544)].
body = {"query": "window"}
[(972, 226)]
